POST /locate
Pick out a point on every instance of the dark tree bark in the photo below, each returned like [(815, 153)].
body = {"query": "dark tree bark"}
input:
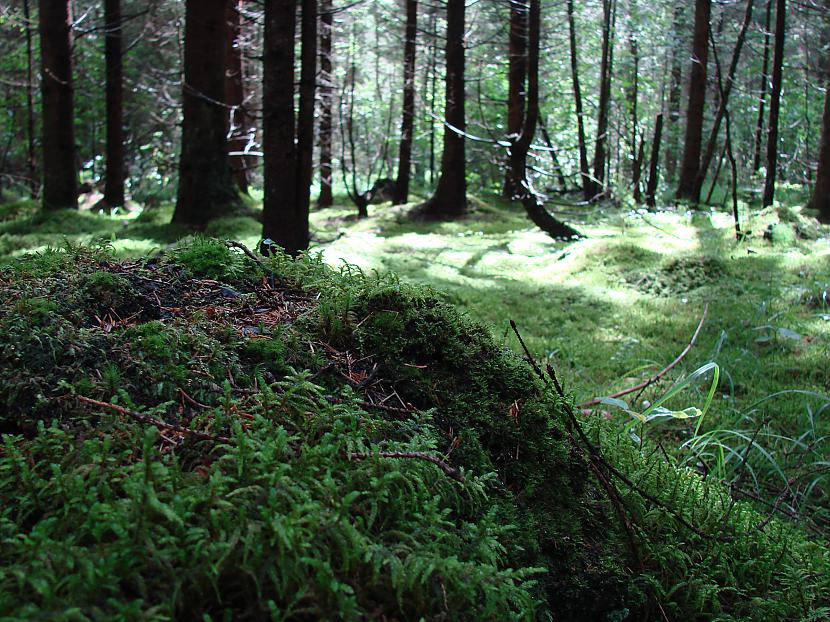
[(60, 176), (820, 199), (635, 145), (408, 121), (697, 101), (30, 108), (675, 92), (235, 97), (762, 102), (654, 164), (723, 101), (305, 119), (516, 84), (775, 101), (597, 184), (206, 188), (280, 223), (113, 51), (531, 201), (584, 171), (326, 89), (450, 198), (288, 163)]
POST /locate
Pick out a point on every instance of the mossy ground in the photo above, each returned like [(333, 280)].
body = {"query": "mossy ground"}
[(288, 369)]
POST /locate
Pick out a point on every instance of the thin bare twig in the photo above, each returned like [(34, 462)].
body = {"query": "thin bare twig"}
[(148, 420), (448, 469), (660, 374)]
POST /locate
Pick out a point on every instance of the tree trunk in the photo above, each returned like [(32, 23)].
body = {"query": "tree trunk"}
[(723, 101), (408, 121), (30, 108), (759, 124), (326, 89), (450, 198), (775, 101), (675, 93), (206, 189), (60, 177), (305, 119), (235, 97), (532, 202), (697, 103), (584, 171), (113, 51), (597, 184), (516, 79), (635, 148), (654, 164), (278, 128), (820, 199)]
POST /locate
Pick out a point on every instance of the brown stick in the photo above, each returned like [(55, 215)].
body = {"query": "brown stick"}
[(147, 419), (449, 470), (660, 374)]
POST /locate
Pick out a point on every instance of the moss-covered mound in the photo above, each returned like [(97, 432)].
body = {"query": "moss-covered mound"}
[(206, 435)]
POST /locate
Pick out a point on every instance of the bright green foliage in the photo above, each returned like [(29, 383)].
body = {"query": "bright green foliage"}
[(297, 515)]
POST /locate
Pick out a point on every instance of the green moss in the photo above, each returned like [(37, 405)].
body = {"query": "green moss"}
[(209, 258)]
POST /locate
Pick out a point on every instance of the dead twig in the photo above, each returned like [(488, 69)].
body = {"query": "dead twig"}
[(148, 420), (449, 470), (644, 385)]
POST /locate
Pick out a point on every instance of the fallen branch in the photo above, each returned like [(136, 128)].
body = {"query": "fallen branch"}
[(448, 469), (659, 375), (148, 420)]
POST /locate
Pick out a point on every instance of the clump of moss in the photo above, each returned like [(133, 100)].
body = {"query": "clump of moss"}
[(103, 292), (209, 258), (679, 276)]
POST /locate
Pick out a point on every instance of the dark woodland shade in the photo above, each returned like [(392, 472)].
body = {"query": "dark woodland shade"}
[(113, 51), (775, 102), (235, 96), (408, 121), (516, 85), (450, 198), (687, 187), (60, 177), (288, 164), (326, 89), (596, 186), (206, 189), (820, 200), (584, 171)]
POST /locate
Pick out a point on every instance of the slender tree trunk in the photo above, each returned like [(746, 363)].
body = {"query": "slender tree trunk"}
[(30, 108), (820, 199), (60, 176), (531, 201), (326, 90), (408, 121), (235, 97), (759, 124), (584, 171), (516, 84), (723, 101), (654, 164), (697, 102), (113, 51), (635, 148), (597, 184), (450, 198), (554, 159), (305, 119), (675, 93), (288, 163), (206, 188), (775, 101)]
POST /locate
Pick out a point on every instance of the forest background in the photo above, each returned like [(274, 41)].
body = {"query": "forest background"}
[(640, 186)]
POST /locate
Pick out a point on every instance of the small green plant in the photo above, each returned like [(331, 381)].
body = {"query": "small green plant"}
[(210, 258)]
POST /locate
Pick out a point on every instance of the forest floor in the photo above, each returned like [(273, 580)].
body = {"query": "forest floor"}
[(608, 312)]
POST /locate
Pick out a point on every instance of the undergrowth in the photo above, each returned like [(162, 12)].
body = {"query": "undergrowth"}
[(190, 436)]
